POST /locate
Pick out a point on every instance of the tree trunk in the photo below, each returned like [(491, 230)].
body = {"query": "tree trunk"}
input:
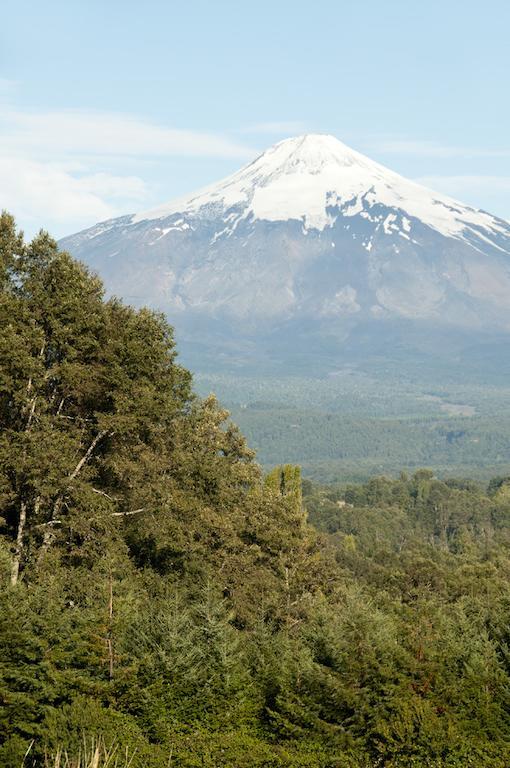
[(18, 552), (109, 639), (48, 534)]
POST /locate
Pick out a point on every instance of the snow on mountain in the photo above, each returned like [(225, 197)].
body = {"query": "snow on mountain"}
[(310, 235), (304, 178)]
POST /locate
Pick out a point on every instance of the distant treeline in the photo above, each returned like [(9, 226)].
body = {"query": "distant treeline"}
[(338, 447)]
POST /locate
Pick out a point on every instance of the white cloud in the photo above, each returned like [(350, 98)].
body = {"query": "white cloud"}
[(60, 169), (470, 188), (47, 194), (97, 133), (434, 149), (500, 183)]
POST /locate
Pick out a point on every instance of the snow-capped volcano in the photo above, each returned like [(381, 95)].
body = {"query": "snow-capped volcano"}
[(311, 237), (311, 179)]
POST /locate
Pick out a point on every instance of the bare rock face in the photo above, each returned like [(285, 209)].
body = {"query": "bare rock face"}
[(312, 243)]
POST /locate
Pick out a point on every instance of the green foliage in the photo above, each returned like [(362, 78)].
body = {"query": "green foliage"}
[(163, 600), (286, 481), (350, 425)]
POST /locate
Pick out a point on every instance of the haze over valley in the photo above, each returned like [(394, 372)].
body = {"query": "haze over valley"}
[(314, 270)]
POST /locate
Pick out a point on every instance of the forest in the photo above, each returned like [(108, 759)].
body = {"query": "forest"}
[(167, 602), (354, 424)]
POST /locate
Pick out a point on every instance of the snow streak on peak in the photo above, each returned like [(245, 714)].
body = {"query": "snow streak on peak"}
[(311, 153), (315, 178)]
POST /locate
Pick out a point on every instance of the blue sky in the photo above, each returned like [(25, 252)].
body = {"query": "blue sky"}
[(112, 107)]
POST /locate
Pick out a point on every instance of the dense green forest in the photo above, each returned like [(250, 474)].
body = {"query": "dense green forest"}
[(165, 596), (352, 425)]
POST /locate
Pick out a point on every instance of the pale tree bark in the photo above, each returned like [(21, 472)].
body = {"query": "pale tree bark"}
[(109, 639), (22, 519), (130, 512), (48, 533), (18, 552), (86, 456)]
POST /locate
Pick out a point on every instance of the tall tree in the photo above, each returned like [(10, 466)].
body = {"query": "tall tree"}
[(88, 393)]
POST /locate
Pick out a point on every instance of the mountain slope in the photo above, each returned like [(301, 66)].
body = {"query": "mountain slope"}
[(312, 240)]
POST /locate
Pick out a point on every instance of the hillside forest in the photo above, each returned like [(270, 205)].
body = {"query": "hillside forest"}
[(166, 602)]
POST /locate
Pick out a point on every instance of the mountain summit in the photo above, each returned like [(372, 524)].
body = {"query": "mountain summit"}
[(309, 178), (310, 240)]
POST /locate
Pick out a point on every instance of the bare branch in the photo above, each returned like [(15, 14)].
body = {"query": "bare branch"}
[(106, 495), (48, 535), (50, 522), (31, 413), (81, 419), (86, 456), (16, 561), (131, 512)]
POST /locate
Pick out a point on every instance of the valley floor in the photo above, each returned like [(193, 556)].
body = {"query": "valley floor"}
[(351, 426)]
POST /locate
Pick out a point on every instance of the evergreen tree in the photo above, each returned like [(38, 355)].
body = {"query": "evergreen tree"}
[(162, 597)]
